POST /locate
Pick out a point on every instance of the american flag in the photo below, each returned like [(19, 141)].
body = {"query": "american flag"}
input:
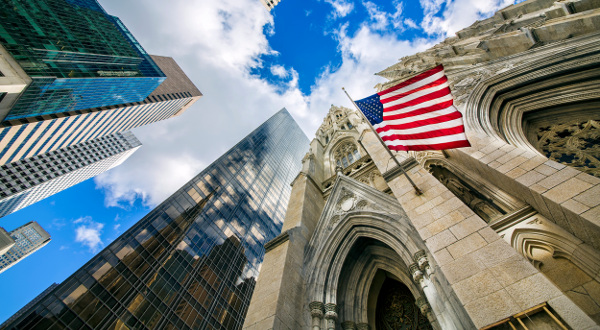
[(417, 114)]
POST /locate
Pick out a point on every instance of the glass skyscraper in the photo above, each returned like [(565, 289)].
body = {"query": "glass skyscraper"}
[(25, 138), (76, 55), (192, 261)]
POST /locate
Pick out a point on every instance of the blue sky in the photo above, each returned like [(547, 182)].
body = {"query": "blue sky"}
[(248, 63)]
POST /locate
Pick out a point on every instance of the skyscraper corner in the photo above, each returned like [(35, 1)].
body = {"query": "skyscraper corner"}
[(270, 4), (27, 239), (192, 262)]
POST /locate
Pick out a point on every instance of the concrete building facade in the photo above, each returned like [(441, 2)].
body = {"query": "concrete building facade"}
[(506, 234), (27, 239), (30, 180), (24, 138), (270, 4)]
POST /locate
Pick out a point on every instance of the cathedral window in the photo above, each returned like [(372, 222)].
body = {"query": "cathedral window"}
[(349, 125), (346, 154)]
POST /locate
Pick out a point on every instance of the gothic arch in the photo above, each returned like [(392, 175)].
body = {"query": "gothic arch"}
[(328, 257), (555, 87), (573, 266), (356, 213), (559, 244), (356, 286)]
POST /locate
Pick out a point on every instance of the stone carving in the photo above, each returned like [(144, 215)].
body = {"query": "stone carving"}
[(535, 221), (334, 219), (348, 325), (362, 204), (362, 326), (331, 315), (416, 273), (420, 259), (316, 309), (575, 143), (423, 306), (316, 313), (346, 202), (483, 206)]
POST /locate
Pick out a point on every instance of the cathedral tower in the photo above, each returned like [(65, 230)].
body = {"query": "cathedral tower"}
[(506, 232)]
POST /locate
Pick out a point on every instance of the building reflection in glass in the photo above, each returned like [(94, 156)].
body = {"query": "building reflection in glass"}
[(191, 263)]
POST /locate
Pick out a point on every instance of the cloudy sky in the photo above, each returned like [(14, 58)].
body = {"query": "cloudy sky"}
[(248, 63)]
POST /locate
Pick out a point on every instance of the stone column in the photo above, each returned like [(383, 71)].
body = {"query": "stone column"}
[(316, 312), (420, 259), (348, 325), (422, 276), (417, 275), (424, 307), (362, 326), (330, 315)]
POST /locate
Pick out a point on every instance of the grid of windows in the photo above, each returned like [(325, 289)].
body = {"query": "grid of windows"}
[(78, 56), (193, 260), (30, 180), (28, 239)]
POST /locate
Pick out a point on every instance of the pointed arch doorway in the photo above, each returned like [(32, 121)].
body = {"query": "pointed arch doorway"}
[(396, 307)]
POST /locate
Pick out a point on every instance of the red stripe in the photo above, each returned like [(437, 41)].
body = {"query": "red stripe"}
[(420, 123), (438, 82), (419, 100), (439, 146), (439, 106), (413, 79), (425, 135)]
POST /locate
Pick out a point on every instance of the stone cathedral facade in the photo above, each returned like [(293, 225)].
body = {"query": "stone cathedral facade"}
[(506, 234)]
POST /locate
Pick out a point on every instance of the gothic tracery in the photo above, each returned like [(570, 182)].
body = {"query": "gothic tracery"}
[(575, 143)]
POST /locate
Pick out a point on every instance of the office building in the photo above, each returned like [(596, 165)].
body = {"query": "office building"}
[(30, 180), (505, 234), (62, 55), (28, 239), (270, 4), (24, 138), (6, 242), (192, 262)]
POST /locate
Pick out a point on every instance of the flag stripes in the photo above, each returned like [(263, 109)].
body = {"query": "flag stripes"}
[(417, 114)]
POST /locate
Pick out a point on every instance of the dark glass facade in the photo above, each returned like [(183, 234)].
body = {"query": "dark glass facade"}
[(191, 263), (78, 56)]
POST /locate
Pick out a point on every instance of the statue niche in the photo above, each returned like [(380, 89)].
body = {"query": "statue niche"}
[(480, 204)]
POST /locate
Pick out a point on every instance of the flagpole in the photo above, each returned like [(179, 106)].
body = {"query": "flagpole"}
[(417, 190)]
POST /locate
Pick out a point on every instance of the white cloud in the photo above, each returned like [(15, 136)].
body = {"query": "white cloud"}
[(216, 43), (381, 20), (456, 14), (88, 233), (341, 7), (410, 23), (279, 71)]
